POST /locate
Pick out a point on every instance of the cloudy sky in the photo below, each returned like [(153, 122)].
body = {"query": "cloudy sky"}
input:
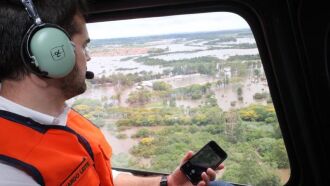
[(166, 25)]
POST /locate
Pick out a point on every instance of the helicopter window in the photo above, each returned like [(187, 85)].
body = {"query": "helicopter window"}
[(166, 85)]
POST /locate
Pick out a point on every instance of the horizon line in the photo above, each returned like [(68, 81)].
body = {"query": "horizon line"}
[(168, 34)]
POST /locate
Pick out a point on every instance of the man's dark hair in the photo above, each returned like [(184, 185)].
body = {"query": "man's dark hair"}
[(15, 21)]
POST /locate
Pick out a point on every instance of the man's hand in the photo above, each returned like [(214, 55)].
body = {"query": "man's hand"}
[(177, 178)]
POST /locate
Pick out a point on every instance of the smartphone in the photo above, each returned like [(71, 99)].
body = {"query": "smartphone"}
[(209, 156)]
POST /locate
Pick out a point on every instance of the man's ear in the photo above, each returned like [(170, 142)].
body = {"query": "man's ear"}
[(37, 80)]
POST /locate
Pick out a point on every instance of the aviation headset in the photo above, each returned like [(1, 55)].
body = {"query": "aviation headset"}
[(46, 48)]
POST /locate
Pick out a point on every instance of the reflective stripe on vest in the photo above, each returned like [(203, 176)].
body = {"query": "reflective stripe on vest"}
[(53, 155)]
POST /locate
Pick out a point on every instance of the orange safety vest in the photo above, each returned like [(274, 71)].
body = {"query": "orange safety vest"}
[(76, 154)]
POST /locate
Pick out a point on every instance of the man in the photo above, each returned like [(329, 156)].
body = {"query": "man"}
[(42, 141)]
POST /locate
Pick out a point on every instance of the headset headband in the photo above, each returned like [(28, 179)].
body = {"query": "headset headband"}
[(31, 10)]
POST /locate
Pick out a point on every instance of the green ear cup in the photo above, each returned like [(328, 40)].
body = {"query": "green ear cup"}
[(53, 52)]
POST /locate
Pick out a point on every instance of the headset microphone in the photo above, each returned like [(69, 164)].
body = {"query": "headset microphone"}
[(89, 75)]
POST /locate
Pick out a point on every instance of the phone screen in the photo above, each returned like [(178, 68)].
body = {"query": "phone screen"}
[(210, 156), (205, 158)]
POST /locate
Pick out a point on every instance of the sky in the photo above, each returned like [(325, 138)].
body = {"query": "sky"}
[(166, 25)]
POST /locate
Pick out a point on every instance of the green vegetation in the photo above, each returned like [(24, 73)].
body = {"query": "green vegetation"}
[(194, 91), (158, 50), (123, 69), (250, 136), (151, 117), (121, 136), (139, 98), (125, 80), (254, 150), (127, 58), (143, 133), (221, 40), (244, 45), (203, 65), (243, 57), (161, 86), (259, 96), (92, 110), (259, 113)]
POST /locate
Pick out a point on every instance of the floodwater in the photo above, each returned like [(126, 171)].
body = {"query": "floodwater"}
[(124, 145), (184, 80), (112, 64), (116, 63), (107, 91), (225, 95), (179, 47), (241, 40), (121, 145), (184, 49), (221, 54)]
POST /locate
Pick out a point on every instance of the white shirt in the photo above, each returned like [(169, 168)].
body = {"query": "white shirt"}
[(11, 176)]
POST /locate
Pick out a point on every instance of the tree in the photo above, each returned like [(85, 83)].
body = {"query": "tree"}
[(239, 94), (239, 91), (161, 86), (172, 102), (248, 168), (256, 73), (140, 97), (248, 115)]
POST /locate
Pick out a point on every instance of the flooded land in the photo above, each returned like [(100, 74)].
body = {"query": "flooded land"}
[(157, 97), (114, 59)]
